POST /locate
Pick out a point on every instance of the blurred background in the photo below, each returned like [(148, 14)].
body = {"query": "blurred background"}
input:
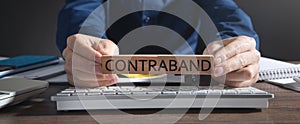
[(29, 26)]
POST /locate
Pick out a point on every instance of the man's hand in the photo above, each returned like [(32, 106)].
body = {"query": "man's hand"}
[(82, 56), (237, 59)]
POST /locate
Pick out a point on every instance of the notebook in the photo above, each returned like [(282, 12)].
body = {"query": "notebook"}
[(16, 90), (24, 63), (271, 69)]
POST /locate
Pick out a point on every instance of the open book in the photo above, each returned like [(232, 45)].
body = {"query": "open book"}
[(271, 69)]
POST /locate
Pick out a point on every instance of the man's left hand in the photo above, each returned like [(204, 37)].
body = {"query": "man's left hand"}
[(235, 58)]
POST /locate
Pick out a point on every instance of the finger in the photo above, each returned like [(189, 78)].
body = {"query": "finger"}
[(244, 74), (205, 52), (68, 60), (107, 47), (68, 65), (234, 47), (70, 78), (213, 47), (110, 82), (87, 69), (83, 46), (67, 52), (68, 69), (237, 62), (220, 79), (242, 83), (82, 64), (79, 61), (83, 67), (89, 79)]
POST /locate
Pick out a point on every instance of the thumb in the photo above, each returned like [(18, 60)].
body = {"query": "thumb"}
[(107, 47)]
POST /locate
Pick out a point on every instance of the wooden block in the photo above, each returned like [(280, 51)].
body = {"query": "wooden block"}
[(157, 64)]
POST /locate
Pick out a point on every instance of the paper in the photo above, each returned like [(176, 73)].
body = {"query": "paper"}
[(283, 81), (271, 64), (271, 69), (287, 83)]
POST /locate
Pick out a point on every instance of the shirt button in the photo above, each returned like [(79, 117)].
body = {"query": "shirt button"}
[(147, 19)]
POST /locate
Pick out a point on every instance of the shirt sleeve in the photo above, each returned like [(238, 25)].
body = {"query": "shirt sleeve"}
[(71, 18), (229, 19)]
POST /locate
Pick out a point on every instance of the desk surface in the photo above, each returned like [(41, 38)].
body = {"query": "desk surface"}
[(284, 108)]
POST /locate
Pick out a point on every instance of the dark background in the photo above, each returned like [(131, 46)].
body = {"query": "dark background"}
[(29, 26)]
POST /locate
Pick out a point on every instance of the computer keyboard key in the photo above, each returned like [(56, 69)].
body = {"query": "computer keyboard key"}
[(127, 87), (108, 91), (259, 92), (214, 92), (244, 91), (185, 92), (94, 94), (95, 90), (229, 92), (153, 92), (67, 91), (188, 88), (136, 89), (124, 93), (78, 94), (201, 92), (169, 92), (63, 94), (81, 90)]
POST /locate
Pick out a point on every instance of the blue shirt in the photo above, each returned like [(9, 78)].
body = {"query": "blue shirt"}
[(228, 18)]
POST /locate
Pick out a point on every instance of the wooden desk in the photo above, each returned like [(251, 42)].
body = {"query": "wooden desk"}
[(284, 108)]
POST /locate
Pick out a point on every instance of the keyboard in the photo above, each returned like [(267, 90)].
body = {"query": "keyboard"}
[(140, 97)]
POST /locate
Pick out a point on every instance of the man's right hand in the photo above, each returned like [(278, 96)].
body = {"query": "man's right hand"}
[(82, 56)]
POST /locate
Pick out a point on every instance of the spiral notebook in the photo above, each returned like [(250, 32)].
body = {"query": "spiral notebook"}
[(271, 69)]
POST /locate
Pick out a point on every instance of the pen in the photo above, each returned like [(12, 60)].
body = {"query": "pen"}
[(297, 79)]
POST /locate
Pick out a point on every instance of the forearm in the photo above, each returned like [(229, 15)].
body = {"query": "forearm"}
[(229, 19), (71, 18)]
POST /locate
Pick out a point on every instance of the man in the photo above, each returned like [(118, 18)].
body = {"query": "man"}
[(235, 57)]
